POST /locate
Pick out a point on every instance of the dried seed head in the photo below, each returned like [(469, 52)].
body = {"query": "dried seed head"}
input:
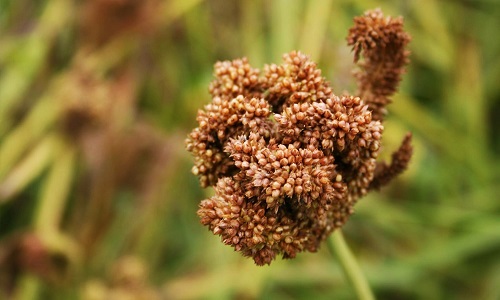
[(317, 155)]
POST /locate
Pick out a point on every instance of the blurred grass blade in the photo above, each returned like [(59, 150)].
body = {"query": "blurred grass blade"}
[(465, 101), (28, 288), (24, 135), (53, 202), (29, 168), (284, 27), (492, 286), (470, 153), (175, 8), (440, 255), (431, 38), (56, 189), (315, 27), (29, 57), (200, 35), (252, 28)]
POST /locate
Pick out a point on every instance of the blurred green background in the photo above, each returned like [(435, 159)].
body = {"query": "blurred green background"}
[(96, 196)]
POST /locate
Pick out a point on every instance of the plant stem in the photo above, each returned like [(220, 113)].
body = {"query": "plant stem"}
[(352, 271)]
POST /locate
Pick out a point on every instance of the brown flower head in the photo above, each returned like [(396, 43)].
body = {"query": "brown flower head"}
[(289, 158)]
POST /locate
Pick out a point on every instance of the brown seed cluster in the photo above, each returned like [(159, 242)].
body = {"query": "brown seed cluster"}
[(381, 41), (288, 158)]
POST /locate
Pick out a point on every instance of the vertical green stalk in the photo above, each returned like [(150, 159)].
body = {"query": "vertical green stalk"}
[(252, 31), (352, 271), (55, 192), (52, 204), (284, 23), (316, 21)]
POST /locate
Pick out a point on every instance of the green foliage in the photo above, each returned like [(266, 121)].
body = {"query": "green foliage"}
[(83, 198)]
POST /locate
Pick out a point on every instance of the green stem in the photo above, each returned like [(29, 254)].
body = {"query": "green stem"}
[(352, 271)]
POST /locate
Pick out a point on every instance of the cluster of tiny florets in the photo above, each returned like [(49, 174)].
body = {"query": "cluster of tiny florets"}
[(287, 157), (381, 41)]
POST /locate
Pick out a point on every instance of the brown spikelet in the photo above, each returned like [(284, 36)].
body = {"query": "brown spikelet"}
[(381, 42), (384, 172)]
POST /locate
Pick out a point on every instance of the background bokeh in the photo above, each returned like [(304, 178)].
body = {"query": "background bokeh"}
[(96, 196)]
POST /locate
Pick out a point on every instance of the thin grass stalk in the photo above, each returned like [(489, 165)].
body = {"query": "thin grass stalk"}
[(315, 26), (52, 204), (350, 266), (252, 30), (56, 190), (285, 15)]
